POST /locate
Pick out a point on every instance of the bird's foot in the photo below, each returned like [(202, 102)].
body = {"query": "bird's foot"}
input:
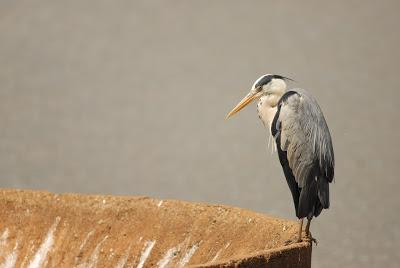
[(306, 238), (311, 239), (289, 241), (292, 241)]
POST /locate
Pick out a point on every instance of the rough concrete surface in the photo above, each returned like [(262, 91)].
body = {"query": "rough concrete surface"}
[(41, 229)]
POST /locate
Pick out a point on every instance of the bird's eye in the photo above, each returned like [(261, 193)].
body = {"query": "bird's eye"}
[(258, 89)]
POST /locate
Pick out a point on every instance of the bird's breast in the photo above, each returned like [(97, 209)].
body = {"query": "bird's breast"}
[(266, 112)]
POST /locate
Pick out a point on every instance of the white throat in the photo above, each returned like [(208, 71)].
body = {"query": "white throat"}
[(266, 112), (267, 104)]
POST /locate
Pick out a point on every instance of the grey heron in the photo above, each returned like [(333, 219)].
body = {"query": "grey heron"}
[(302, 140)]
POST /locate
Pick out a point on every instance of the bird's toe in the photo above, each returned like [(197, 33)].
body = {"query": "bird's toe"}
[(311, 239), (292, 241), (288, 242)]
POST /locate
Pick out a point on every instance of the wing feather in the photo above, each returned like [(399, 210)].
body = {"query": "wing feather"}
[(305, 137), (305, 151)]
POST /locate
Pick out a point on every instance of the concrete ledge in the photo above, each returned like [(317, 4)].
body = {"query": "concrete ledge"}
[(41, 229)]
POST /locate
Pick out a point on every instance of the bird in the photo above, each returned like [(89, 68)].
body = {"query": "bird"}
[(302, 140)]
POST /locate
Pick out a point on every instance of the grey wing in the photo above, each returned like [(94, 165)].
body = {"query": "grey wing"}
[(306, 139)]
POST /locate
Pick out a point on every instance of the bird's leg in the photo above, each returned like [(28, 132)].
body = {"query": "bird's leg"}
[(300, 230), (298, 240), (308, 234), (308, 227)]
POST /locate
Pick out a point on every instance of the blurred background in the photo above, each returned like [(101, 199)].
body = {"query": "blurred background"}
[(130, 97)]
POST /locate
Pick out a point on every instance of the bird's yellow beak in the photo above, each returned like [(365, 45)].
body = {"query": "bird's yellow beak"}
[(246, 100)]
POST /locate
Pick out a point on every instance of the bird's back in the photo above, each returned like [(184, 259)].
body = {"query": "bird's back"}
[(305, 150)]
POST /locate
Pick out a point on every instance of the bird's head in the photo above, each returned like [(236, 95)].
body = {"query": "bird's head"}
[(268, 84)]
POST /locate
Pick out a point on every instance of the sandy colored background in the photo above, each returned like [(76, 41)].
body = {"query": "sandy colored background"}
[(128, 97)]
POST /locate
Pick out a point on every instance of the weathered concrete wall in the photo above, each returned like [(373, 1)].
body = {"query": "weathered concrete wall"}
[(40, 229)]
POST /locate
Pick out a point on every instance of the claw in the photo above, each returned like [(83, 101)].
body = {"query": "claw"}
[(311, 239), (288, 242), (292, 241)]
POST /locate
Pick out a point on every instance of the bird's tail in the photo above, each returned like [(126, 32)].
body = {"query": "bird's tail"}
[(323, 191)]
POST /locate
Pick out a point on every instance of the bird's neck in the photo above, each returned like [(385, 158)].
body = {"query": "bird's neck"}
[(276, 89), (267, 107), (272, 100), (268, 102)]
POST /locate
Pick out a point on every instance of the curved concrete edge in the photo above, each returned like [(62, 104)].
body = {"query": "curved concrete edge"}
[(293, 256), (41, 229)]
